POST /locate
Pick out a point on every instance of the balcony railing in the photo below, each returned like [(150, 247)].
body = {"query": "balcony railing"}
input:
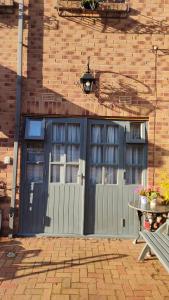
[(6, 6), (107, 8)]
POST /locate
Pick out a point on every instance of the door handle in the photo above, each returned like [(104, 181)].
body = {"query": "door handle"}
[(81, 177), (123, 222)]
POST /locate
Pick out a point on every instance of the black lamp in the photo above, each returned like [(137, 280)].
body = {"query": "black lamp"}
[(87, 80)]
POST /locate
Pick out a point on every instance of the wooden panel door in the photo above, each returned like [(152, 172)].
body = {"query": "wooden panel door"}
[(33, 189), (135, 167), (66, 177), (81, 178), (104, 177), (116, 164)]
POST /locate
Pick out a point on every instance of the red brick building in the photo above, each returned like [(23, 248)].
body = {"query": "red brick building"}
[(77, 175)]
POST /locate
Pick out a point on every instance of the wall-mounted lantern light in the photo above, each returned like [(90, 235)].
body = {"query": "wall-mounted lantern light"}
[(87, 80)]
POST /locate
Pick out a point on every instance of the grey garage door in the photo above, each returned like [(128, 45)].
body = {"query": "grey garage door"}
[(116, 164), (80, 178)]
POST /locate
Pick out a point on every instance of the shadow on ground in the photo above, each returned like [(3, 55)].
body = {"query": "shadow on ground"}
[(20, 266)]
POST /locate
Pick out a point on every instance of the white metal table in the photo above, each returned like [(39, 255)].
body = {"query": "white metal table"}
[(144, 209)]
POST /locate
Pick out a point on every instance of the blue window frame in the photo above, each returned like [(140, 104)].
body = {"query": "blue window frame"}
[(35, 129)]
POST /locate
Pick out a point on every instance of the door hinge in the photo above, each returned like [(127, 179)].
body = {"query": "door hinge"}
[(12, 211)]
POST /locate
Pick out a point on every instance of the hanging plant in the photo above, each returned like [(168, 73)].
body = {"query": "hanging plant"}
[(90, 4)]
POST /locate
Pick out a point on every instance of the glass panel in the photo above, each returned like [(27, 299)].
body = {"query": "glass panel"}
[(71, 174), (133, 175), (73, 153), (97, 134), (73, 133), (34, 128), (35, 173), (111, 155), (110, 175), (112, 135), (135, 131), (35, 152), (134, 154), (96, 154), (59, 133), (95, 175), (55, 173), (58, 152)]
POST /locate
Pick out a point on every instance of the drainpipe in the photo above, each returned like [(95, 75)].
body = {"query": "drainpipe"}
[(17, 115)]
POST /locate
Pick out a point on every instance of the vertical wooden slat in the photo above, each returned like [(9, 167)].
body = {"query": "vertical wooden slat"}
[(66, 210), (110, 216), (77, 212), (105, 208), (61, 208), (71, 210)]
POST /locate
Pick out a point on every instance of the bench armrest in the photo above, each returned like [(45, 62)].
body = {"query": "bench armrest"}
[(164, 228)]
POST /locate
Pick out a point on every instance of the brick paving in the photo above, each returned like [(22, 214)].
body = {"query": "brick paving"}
[(79, 269)]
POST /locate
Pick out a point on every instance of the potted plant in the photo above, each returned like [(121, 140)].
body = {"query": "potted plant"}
[(152, 194), (90, 4), (142, 192), (149, 194)]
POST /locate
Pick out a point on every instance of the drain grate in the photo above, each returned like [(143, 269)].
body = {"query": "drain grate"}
[(11, 254)]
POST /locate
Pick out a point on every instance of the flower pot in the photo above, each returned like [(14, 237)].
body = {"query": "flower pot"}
[(143, 199), (147, 225)]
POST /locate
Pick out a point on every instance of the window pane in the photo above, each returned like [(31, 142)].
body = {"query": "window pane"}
[(73, 153), (135, 131), (73, 133), (134, 154), (58, 152), (55, 173), (59, 133), (95, 175), (110, 175), (97, 134), (34, 128), (35, 173), (35, 152), (133, 175), (112, 133), (71, 174), (111, 155), (96, 154)]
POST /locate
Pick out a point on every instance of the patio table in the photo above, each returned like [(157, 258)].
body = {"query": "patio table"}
[(145, 209)]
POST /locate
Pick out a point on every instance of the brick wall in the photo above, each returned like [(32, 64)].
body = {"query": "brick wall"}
[(8, 64), (132, 81), (6, 2)]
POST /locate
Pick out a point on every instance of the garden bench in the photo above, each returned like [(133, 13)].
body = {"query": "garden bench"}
[(158, 242)]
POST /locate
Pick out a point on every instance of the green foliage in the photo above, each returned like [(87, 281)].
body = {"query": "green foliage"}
[(152, 196), (151, 192), (90, 4)]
